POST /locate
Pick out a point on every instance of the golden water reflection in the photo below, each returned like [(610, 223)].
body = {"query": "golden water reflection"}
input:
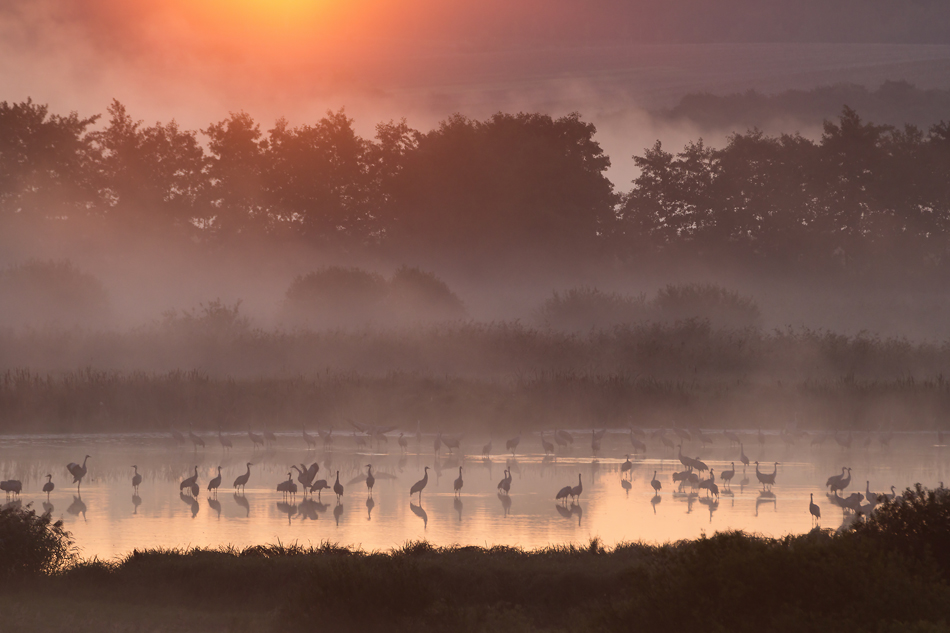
[(107, 518)]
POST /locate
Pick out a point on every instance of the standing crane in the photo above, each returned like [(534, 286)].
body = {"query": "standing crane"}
[(546, 445), (403, 443), (563, 494), (309, 439), (214, 483), (256, 440), (189, 482), (766, 479), (627, 466), (578, 489), (656, 483), (195, 440), (813, 508), (727, 475), (288, 487), (458, 483), (241, 480), (419, 485), (512, 444), (338, 488), (594, 442), (505, 484), (48, 486), (136, 479), (370, 479), (226, 443), (742, 455), (77, 471), (486, 450), (318, 487)]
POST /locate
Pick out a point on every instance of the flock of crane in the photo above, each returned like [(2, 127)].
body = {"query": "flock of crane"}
[(696, 475)]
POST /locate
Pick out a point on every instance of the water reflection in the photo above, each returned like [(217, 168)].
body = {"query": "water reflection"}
[(136, 502), (370, 504), (287, 508), (419, 512), (505, 503), (215, 505), (338, 512), (457, 504), (241, 500), (191, 502), (77, 507), (48, 508)]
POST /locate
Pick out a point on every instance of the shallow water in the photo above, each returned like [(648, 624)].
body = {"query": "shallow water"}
[(107, 520)]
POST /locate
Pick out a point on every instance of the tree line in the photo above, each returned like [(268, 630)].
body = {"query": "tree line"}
[(513, 183)]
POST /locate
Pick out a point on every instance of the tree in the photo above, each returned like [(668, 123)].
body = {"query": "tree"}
[(46, 162), (235, 171)]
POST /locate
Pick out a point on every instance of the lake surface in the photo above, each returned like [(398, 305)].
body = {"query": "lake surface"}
[(108, 520)]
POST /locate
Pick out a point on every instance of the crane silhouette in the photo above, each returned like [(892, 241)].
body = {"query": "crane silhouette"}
[(288, 488), (419, 485), (656, 483), (370, 480), (77, 471), (742, 455), (841, 482), (241, 480), (136, 479), (505, 484), (766, 479), (627, 466), (546, 445), (195, 440), (256, 440), (226, 443), (338, 488), (309, 439), (459, 483), (594, 442), (48, 486), (318, 487), (215, 482), (727, 475), (813, 508), (190, 481), (403, 443), (486, 450), (578, 489), (563, 494), (512, 444)]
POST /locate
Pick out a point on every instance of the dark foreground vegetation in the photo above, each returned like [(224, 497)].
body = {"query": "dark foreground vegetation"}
[(888, 573)]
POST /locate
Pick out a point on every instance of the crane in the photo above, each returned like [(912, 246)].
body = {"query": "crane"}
[(871, 497), (841, 482), (656, 483), (419, 485), (458, 483), (77, 471), (732, 437), (578, 489), (241, 481), (437, 443), (835, 478), (226, 444), (627, 466), (546, 445), (742, 455), (215, 482), (727, 475), (813, 508), (403, 443), (766, 479), (136, 479), (563, 493), (505, 484), (256, 440), (370, 480), (638, 445), (197, 441), (486, 450), (11, 486), (338, 488), (287, 487), (319, 486), (452, 442), (309, 439), (594, 442), (190, 481), (512, 444), (302, 476), (48, 486)]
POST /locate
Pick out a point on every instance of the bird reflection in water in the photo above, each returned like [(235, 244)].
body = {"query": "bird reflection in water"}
[(419, 512), (626, 485), (191, 502), (577, 511), (370, 504), (308, 509), (655, 500), (287, 508), (77, 507), (338, 512), (505, 503), (16, 504), (241, 500), (458, 507), (215, 505), (765, 496), (47, 508), (564, 511), (712, 503), (136, 502)]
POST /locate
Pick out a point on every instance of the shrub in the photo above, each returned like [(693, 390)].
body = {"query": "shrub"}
[(335, 297), (421, 296), (39, 292), (31, 543), (584, 308), (678, 302)]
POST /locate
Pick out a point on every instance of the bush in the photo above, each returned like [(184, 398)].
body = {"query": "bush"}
[(584, 308), (335, 297), (40, 292), (678, 302), (212, 319), (417, 295), (32, 543)]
